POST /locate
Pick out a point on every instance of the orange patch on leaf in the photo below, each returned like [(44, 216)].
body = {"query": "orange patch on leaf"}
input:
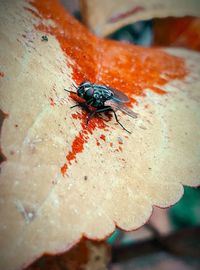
[(128, 68), (77, 147), (82, 137)]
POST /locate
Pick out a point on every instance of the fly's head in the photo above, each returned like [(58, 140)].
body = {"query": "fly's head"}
[(85, 87)]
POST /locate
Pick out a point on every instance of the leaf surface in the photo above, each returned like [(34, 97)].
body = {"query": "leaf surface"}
[(62, 179)]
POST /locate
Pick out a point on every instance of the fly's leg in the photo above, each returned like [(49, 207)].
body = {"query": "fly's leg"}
[(90, 115), (106, 109), (77, 105), (70, 91), (117, 120), (83, 103)]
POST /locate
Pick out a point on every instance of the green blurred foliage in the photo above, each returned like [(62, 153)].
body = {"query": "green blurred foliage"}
[(186, 212)]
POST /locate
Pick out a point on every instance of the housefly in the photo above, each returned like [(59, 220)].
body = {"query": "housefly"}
[(102, 99)]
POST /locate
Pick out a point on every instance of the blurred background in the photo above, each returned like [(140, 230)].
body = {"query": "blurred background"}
[(180, 31)]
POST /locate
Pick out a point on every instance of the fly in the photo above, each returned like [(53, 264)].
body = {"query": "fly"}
[(44, 38), (103, 99)]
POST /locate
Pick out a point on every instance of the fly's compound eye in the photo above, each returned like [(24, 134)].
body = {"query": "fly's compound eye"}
[(83, 88), (89, 92)]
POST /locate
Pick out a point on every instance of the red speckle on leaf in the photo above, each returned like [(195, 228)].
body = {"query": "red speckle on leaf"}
[(63, 169), (2, 118), (2, 74), (97, 143), (103, 137), (75, 115), (52, 103), (158, 90), (120, 148)]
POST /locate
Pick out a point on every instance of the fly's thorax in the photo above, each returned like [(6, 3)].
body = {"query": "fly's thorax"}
[(99, 96), (101, 92)]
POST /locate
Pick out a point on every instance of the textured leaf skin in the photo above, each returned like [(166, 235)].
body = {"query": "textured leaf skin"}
[(62, 179)]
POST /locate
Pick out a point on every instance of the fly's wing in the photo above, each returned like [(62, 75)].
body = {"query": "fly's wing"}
[(119, 106), (119, 96)]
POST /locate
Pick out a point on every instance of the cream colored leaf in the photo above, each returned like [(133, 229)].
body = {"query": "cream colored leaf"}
[(115, 178)]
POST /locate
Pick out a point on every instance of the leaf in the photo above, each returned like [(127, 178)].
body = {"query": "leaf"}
[(62, 179), (178, 32), (85, 255), (104, 17)]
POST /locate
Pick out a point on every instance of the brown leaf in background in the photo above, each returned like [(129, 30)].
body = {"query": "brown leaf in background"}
[(86, 255), (178, 32), (104, 17)]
